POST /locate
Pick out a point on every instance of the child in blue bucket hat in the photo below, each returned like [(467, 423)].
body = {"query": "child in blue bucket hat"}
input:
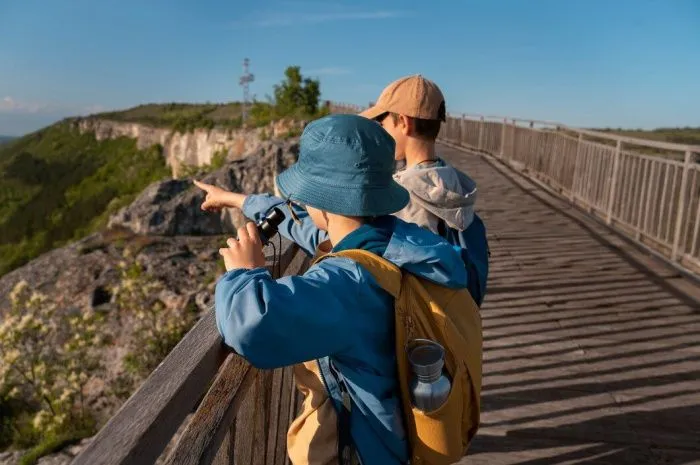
[(334, 323)]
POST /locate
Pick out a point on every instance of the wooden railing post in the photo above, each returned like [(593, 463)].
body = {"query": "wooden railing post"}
[(480, 145), (681, 205), (462, 129), (613, 184), (577, 157), (503, 136), (514, 145)]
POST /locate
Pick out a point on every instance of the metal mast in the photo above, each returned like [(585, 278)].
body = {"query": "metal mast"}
[(246, 79)]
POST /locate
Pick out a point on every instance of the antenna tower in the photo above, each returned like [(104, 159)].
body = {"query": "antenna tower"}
[(246, 79)]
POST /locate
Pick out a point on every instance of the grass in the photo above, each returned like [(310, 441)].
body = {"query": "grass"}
[(182, 117), (53, 444), (186, 117)]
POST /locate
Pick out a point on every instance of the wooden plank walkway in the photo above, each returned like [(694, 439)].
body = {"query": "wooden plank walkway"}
[(592, 348)]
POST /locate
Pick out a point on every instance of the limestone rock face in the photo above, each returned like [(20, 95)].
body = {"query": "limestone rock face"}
[(172, 207), (195, 148)]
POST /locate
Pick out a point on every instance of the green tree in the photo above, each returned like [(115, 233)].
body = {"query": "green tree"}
[(297, 93)]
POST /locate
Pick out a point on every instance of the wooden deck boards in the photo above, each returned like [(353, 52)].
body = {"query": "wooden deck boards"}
[(592, 348)]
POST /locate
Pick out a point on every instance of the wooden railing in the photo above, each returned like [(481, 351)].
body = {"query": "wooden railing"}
[(648, 190), (204, 405)]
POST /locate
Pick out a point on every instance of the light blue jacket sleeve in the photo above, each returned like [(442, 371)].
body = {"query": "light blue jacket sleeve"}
[(475, 253), (306, 235), (274, 323)]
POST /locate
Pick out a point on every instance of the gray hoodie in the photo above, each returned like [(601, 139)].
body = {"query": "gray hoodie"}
[(438, 191)]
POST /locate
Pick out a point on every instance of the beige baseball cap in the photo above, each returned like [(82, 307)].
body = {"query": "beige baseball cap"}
[(412, 96)]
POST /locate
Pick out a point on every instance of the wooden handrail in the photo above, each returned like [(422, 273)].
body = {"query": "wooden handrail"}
[(203, 436), (213, 419)]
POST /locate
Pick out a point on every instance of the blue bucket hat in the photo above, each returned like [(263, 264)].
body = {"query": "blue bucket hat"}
[(345, 166)]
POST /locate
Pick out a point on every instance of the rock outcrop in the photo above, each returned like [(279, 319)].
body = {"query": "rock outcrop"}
[(195, 148), (172, 207), (162, 225)]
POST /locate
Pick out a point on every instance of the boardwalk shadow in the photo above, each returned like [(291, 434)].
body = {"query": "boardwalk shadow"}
[(665, 436)]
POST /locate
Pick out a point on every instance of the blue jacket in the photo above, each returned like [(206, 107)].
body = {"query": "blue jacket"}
[(336, 313)]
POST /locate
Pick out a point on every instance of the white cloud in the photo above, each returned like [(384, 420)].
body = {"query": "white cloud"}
[(92, 109), (328, 71), (12, 105), (289, 18)]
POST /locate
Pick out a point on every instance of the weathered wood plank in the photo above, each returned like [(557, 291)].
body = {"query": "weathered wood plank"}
[(287, 388), (261, 423), (275, 405), (245, 427), (226, 454), (214, 417)]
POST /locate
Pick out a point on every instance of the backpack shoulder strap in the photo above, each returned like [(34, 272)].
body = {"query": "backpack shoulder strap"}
[(387, 275)]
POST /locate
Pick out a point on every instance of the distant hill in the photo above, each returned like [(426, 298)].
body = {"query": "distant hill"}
[(180, 116), (6, 139), (686, 135), (57, 185)]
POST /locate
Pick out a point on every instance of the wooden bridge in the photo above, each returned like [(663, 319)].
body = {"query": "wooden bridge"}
[(591, 320)]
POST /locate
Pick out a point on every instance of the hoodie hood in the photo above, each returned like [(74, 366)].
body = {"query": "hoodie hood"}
[(426, 255), (443, 191)]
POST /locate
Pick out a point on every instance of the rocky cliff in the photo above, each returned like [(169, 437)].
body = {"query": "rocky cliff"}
[(195, 148), (164, 232), (172, 207)]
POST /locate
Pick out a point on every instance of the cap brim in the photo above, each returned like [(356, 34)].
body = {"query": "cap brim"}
[(373, 112)]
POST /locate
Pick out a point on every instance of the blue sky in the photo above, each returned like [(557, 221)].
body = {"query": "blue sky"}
[(582, 62)]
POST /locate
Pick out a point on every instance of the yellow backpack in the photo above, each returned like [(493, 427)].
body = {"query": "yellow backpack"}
[(450, 317)]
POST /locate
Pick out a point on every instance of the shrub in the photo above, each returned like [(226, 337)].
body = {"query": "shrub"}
[(156, 329), (48, 356)]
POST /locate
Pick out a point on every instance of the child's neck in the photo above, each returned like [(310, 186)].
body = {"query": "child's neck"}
[(340, 226), (419, 151)]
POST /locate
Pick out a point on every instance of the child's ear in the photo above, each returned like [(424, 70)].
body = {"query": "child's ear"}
[(406, 125)]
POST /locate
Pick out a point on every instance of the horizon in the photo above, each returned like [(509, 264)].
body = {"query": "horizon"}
[(118, 110), (598, 65)]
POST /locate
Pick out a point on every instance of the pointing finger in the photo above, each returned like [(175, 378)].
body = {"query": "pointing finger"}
[(201, 185)]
